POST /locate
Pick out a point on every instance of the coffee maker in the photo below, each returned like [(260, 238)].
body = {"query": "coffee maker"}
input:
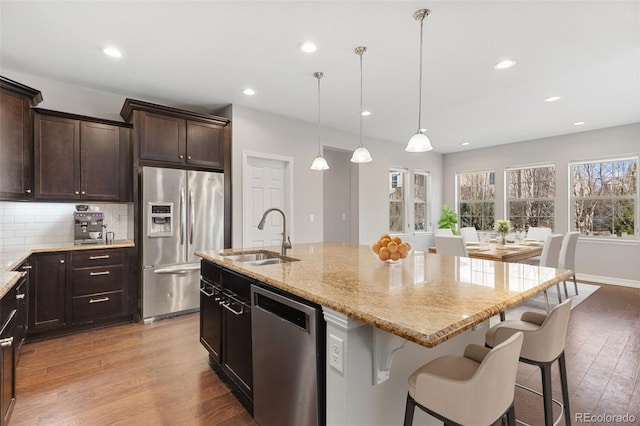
[(88, 227)]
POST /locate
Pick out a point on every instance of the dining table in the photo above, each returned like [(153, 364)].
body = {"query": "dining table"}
[(510, 252)]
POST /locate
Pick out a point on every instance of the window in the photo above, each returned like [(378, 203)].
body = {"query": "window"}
[(421, 201), (397, 200), (476, 195), (531, 192), (604, 197)]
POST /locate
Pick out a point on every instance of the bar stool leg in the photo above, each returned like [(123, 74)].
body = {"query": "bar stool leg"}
[(565, 389), (575, 283), (547, 396), (409, 411), (511, 416)]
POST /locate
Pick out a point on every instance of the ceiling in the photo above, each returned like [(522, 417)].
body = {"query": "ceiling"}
[(203, 54)]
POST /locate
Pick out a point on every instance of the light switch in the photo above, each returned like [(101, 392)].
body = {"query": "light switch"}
[(311, 218)]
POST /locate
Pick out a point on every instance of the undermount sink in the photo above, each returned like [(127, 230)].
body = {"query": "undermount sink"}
[(258, 258)]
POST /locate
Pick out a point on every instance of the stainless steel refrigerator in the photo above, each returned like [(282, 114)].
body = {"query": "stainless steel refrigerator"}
[(183, 211)]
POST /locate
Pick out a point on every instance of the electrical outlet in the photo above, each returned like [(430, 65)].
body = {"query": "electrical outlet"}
[(336, 353), (312, 218)]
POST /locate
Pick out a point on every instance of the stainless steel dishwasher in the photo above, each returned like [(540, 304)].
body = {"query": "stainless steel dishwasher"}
[(288, 360)]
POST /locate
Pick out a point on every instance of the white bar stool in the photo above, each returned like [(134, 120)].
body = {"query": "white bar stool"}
[(544, 338), (474, 389)]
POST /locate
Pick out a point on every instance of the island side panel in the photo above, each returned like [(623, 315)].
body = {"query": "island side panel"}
[(352, 397)]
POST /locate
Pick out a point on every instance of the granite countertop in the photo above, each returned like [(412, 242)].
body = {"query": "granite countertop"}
[(10, 261), (427, 298)]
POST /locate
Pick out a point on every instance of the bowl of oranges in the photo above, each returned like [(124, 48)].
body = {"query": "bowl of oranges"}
[(391, 249)]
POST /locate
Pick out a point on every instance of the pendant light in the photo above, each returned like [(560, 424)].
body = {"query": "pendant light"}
[(420, 142), (319, 163), (361, 154)]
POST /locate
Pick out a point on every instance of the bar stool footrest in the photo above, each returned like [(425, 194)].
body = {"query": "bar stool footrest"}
[(554, 401)]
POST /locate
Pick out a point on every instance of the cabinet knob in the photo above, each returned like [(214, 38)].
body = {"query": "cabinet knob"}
[(19, 296), (77, 192), (28, 191), (189, 157), (62, 261), (83, 192), (181, 156)]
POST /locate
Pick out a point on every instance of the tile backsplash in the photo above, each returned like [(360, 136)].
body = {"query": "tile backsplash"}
[(24, 226)]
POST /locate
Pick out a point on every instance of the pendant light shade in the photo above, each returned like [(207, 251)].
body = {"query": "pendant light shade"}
[(361, 154), (319, 163), (420, 142)]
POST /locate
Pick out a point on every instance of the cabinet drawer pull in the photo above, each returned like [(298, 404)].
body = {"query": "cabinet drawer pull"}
[(104, 256), (93, 274), (6, 342), (23, 274), (104, 299), (20, 296)]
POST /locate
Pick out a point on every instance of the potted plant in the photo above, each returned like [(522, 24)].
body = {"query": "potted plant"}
[(448, 219)]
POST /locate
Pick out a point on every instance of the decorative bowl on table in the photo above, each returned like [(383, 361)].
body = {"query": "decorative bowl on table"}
[(391, 249)]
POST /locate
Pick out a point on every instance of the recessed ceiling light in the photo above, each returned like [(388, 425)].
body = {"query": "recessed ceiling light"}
[(366, 113), (507, 63), (553, 98), (464, 143), (249, 92), (578, 123), (112, 52), (308, 47)]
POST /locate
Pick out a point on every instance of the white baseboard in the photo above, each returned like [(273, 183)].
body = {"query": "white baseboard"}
[(608, 280)]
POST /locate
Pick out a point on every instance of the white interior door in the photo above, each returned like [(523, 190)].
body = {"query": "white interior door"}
[(267, 182)]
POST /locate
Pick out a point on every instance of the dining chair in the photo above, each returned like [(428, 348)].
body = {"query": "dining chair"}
[(476, 388), (543, 344), (451, 245), (444, 231), (469, 234), (538, 233), (567, 258), (549, 258)]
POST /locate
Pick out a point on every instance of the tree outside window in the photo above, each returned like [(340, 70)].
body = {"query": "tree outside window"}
[(476, 199), (531, 193), (604, 197)]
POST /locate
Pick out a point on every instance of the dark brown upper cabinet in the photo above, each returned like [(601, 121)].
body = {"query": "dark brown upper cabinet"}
[(16, 139), (170, 135), (81, 159)]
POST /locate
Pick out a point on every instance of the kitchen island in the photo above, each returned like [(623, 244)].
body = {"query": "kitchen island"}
[(392, 318)]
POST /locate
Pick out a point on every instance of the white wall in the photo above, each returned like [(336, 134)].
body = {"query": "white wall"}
[(615, 258), (259, 131)]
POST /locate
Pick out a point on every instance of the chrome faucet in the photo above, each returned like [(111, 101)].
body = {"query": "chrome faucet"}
[(286, 241)]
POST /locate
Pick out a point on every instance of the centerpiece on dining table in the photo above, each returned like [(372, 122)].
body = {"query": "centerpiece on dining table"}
[(503, 227)]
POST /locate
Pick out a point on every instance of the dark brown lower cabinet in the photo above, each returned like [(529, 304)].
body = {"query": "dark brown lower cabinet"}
[(80, 289), (225, 325), (7, 355)]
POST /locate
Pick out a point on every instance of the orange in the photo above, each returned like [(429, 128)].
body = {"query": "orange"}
[(383, 254), (397, 240), (392, 247), (375, 247), (394, 256), (384, 242), (403, 249), (383, 236)]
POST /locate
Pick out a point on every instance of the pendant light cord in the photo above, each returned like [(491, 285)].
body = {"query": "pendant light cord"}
[(319, 77), (361, 96), (420, 77)]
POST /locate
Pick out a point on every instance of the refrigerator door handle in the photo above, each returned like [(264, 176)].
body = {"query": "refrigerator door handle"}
[(177, 270), (193, 217), (182, 216)]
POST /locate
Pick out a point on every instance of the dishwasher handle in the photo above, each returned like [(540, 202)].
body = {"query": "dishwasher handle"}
[(282, 310)]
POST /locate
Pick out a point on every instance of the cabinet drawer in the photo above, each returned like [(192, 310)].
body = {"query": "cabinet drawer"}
[(97, 306), (97, 280), (88, 258)]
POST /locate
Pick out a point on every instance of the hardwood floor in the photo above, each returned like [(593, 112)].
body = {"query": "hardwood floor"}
[(158, 373)]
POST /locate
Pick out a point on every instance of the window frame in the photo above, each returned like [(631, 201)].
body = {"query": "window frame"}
[(427, 202), (405, 199), (635, 236), (507, 191), (459, 201)]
